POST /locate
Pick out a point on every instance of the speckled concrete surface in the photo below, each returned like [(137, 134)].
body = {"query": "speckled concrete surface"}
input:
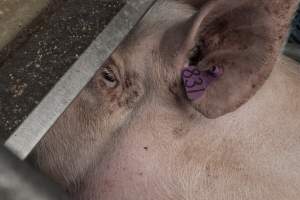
[(15, 15)]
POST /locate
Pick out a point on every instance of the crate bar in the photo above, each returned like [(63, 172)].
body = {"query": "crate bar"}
[(30, 132), (19, 181)]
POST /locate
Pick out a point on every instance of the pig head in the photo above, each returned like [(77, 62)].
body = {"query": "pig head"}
[(133, 134)]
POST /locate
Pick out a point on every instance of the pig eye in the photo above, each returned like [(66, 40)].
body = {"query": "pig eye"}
[(109, 77)]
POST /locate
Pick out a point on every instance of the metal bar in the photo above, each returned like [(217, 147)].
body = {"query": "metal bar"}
[(28, 134), (19, 181)]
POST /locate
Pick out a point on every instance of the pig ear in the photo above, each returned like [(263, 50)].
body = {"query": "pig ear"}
[(244, 37)]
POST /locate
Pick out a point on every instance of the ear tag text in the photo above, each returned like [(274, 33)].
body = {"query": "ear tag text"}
[(196, 82)]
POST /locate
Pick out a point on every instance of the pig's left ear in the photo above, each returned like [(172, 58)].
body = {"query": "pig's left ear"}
[(244, 37)]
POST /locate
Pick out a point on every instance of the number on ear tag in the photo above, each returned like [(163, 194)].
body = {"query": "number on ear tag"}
[(196, 82)]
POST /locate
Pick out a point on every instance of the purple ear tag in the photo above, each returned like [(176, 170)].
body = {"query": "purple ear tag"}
[(196, 82)]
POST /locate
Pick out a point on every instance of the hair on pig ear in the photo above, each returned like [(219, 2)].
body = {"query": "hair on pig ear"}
[(244, 38)]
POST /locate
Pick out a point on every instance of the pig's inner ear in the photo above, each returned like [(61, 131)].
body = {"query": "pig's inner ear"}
[(244, 38)]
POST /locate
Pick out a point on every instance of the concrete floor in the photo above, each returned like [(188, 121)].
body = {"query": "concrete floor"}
[(15, 15)]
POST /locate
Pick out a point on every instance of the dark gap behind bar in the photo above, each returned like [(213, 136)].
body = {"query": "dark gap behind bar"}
[(32, 69)]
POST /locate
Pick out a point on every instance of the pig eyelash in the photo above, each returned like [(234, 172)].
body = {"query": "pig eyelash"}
[(109, 77), (107, 74), (196, 54)]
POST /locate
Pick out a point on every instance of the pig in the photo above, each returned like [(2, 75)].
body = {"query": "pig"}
[(133, 134)]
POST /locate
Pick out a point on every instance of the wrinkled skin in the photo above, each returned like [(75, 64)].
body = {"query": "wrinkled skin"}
[(132, 134)]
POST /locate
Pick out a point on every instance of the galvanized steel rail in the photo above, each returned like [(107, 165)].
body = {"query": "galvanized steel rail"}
[(19, 181)]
